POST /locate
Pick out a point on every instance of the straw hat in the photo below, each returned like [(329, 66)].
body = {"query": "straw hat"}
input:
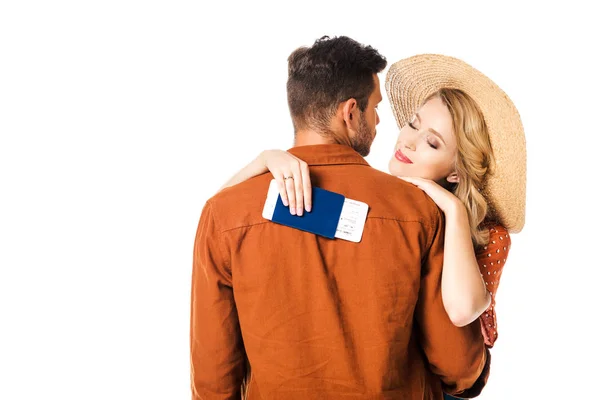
[(410, 81)]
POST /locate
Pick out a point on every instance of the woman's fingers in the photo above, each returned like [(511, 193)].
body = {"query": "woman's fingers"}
[(419, 182), (409, 179), (299, 196), (306, 186), (291, 191), (293, 181), (282, 190)]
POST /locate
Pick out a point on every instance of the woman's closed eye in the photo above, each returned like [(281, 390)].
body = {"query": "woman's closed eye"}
[(432, 143)]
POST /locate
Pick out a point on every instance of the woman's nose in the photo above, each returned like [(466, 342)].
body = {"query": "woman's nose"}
[(409, 145)]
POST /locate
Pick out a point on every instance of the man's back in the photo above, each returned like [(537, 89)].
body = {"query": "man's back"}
[(325, 318)]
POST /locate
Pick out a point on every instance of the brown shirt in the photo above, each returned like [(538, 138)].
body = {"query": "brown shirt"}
[(327, 319)]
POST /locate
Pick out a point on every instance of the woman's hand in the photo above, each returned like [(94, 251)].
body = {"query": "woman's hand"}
[(293, 179), (445, 200)]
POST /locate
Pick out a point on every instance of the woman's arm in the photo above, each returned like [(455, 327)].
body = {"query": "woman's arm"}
[(463, 288), (255, 168), (290, 172)]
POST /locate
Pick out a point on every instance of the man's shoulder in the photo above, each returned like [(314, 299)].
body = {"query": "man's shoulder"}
[(241, 204), (242, 191), (395, 198)]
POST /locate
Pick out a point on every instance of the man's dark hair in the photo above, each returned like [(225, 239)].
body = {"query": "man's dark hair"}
[(329, 72)]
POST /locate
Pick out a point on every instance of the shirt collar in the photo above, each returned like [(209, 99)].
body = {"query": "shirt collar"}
[(328, 154)]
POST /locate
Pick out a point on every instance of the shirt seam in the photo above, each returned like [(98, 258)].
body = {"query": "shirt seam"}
[(321, 163), (423, 222), (440, 225), (227, 263)]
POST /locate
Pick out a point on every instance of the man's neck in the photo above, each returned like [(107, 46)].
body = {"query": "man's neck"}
[(309, 137)]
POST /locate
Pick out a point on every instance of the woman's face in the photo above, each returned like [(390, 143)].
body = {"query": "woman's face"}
[(426, 146)]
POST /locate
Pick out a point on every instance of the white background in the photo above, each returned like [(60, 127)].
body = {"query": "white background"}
[(118, 119)]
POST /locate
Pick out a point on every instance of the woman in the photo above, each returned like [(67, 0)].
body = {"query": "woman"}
[(464, 146)]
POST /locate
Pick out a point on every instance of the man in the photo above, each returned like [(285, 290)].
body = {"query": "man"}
[(317, 318)]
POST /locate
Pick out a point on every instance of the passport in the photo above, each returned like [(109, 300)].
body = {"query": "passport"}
[(332, 215)]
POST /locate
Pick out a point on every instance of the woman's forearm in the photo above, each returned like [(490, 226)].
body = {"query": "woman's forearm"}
[(255, 168), (463, 288)]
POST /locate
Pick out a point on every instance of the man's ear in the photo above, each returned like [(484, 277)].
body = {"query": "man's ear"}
[(350, 113), (453, 177)]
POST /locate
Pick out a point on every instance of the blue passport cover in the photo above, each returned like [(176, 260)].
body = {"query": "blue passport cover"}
[(323, 218)]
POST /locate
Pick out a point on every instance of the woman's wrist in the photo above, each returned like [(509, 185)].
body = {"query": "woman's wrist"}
[(456, 210), (261, 160)]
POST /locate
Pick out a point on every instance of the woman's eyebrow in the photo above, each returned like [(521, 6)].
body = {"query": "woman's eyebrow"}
[(437, 134)]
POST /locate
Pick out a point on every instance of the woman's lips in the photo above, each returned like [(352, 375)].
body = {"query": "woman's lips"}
[(401, 157)]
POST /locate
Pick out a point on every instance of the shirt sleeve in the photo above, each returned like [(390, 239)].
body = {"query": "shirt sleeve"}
[(458, 356), (491, 260), (218, 360)]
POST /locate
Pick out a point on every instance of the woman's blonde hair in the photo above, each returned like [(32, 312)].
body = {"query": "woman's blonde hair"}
[(474, 159)]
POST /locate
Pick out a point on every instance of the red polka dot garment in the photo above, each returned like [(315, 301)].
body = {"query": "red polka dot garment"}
[(491, 260)]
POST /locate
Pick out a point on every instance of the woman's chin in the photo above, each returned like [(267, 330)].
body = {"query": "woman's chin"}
[(393, 168)]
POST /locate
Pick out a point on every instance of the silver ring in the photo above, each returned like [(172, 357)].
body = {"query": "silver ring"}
[(288, 177)]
